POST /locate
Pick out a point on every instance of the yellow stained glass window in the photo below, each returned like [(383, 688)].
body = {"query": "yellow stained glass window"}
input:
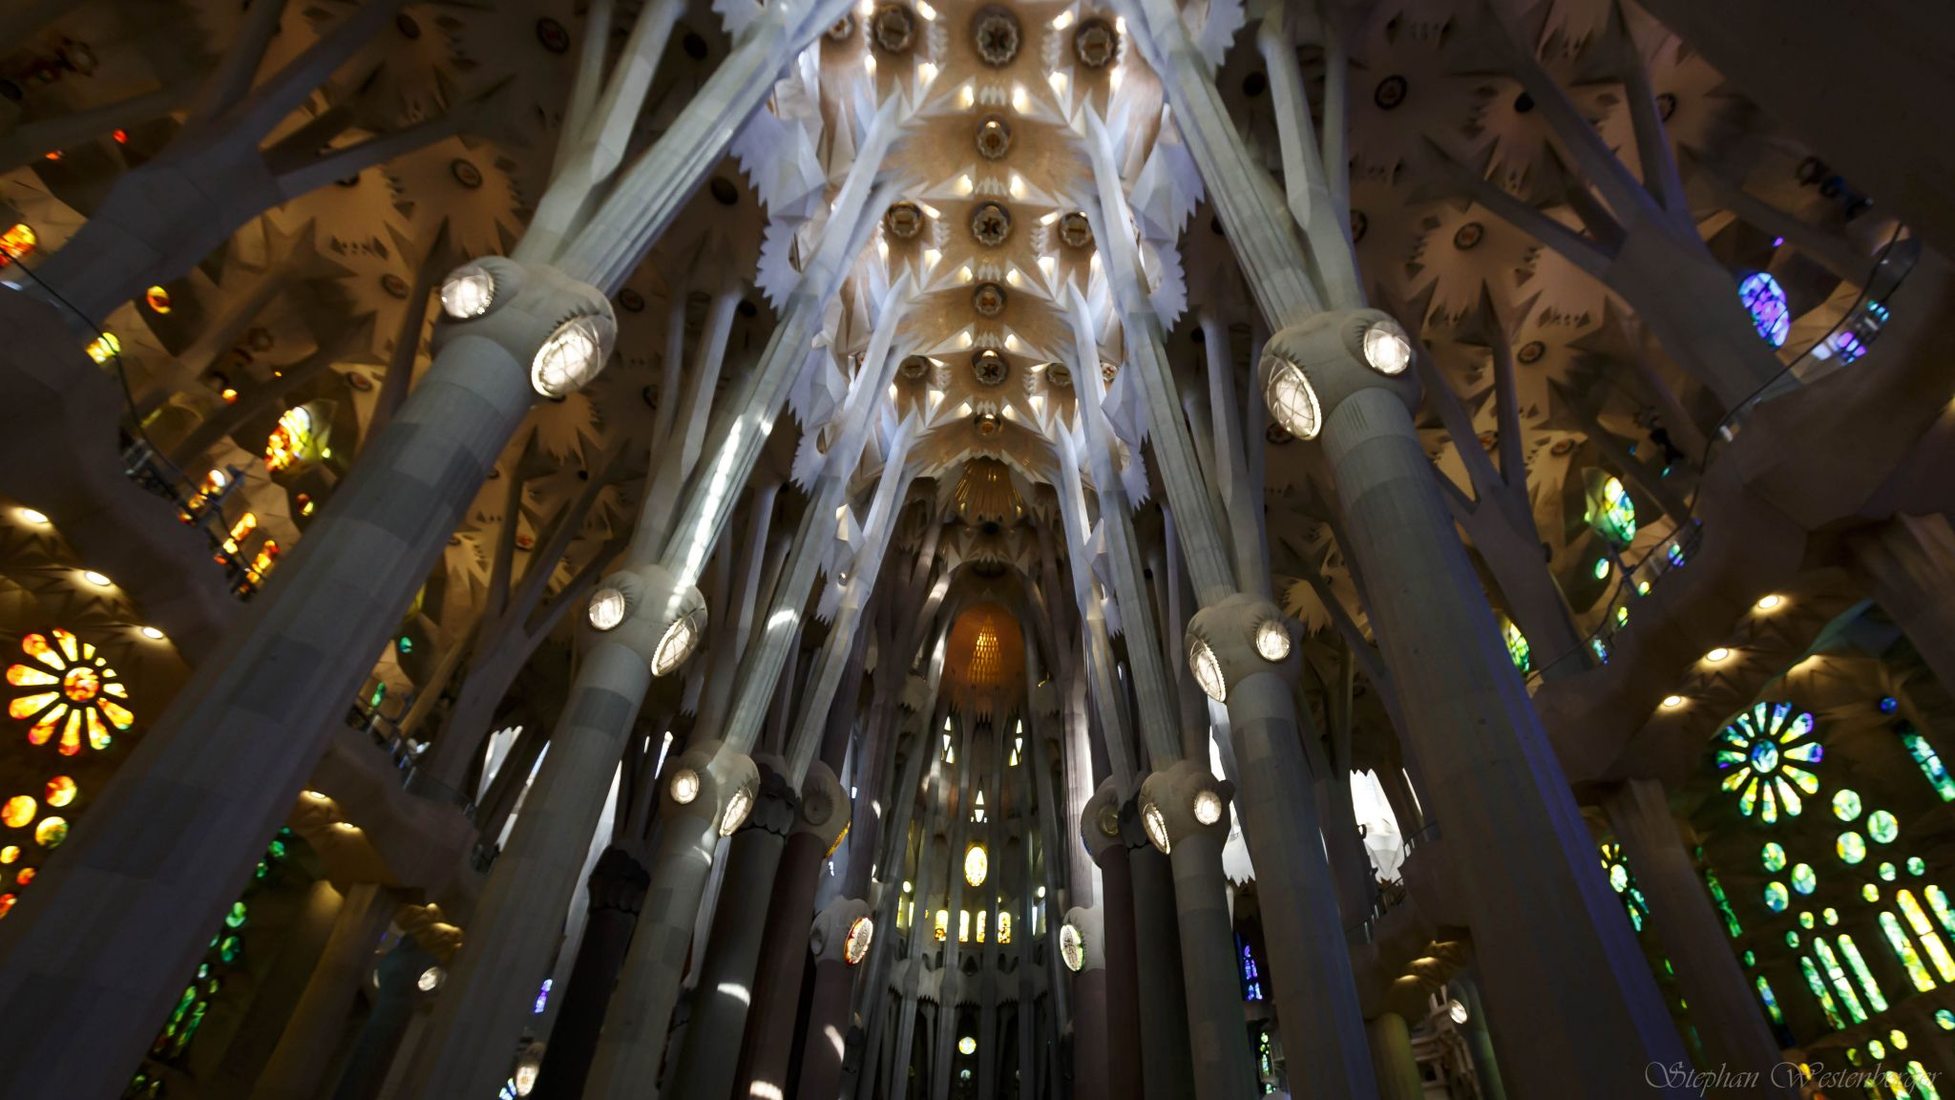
[(67, 693)]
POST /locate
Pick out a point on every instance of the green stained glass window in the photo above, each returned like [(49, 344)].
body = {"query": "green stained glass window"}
[(1918, 920), (1938, 901), (1850, 847), (1769, 999), (1751, 958), (1820, 993), (1846, 804), (236, 917), (1805, 920), (1923, 1081), (1804, 880), (1723, 903), (1773, 857), (1882, 828), (1927, 760), (1765, 754), (1791, 938), (1917, 866), (1890, 926), (1611, 512), (1870, 892), (1831, 916), (1517, 650), (1876, 1000), (1888, 872), (1777, 897), (1945, 1019), (1879, 1050)]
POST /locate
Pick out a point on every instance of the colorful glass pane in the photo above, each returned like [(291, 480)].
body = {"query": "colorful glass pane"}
[(1773, 857), (1846, 804), (1820, 993), (1890, 926), (1882, 827), (1764, 299), (1851, 848), (1804, 880), (72, 696), (1837, 976), (1931, 939), (1876, 999), (1927, 759), (1762, 750), (1777, 897)]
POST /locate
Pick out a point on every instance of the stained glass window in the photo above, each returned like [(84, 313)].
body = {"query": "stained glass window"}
[(1882, 827), (1837, 976), (1776, 897), (1624, 884), (1252, 975), (1773, 857), (1820, 993), (1876, 999), (1723, 903), (1846, 804), (294, 441), (1770, 1000), (1918, 920), (1890, 926), (1762, 750), (70, 690), (1764, 299), (1804, 880), (1517, 650), (1851, 848), (1927, 759), (18, 243), (1611, 512)]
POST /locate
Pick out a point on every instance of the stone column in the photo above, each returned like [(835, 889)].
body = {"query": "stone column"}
[(394, 1002), (1391, 1055), (617, 894), (1730, 1021), (1119, 1011), (776, 970), (724, 992), (1910, 562), (835, 956), (1478, 1040), (313, 1030), (1082, 951), (161, 851), (1185, 813), (1166, 1063)]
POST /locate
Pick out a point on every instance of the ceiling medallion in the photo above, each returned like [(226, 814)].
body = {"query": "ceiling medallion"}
[(915, 367), (1531, 352), (1074, 230), (1107, 371), (991, 224), (987, 424), (988, 299), (1468, 236), (989, 367), (394, 285), (631, 301), (993, 138), (894, 27), (903, 220), (552, 35), (465, 173), (1057, 374), (995, 35), (1390, 92), (1095, 42)]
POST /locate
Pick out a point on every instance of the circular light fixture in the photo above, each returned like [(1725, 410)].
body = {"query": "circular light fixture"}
[(572, 356), (967, 1046), (1156, 824), (29, 515), (468, 293), (1208, 807), (685, 786), (995, 34), (1386, 349), (991, 224), (678, 643), (1717, 656), (1456, 1010), (1207, 669), (977, 865), (151, 633), (1272, 641), (430, 979), (1095, 43), (1072, 949), (100, 580), (903, 220), (993, 138), (855, 946), (1672, 702), (607, 608), (1771, 602), (737, 809), (1074, 230), (1291, 399)]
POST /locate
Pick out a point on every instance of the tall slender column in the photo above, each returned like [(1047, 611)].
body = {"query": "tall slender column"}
[(617, 893), (1167, 1068), (312, 1031), (1723, 1005), (1478, 1041), (1092, 1056), (1118, 1015), (394, 1002), (821, 1057), (1391, 1053)]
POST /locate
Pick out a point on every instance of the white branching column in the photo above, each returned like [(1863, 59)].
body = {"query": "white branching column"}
[(1532, 888)]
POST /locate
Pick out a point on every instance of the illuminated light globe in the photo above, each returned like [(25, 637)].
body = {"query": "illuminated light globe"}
[(1272, 641), (1764, 299), (1291, 399), (1207, 669), (977, 865), (430, 979), (678, 643), (468, 293), (1456, 1010), (967, 1046), (607, 608), (685, 786), (1072, 948), (737, 809), (1386, 350), (1208, 807), (1156, 824), (855, 946), (571, 357)]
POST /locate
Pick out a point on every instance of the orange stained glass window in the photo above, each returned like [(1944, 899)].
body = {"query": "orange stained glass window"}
[(68, 693), (10, 853), (61, 790), (18, 243), (7, 904), (17, 811), (295, 440), (51, 832), (25, 876)]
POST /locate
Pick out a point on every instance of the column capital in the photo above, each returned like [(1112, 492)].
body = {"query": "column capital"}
[(713, 785), (562, 330), (1311, 367), (776, 806), (1182, 802), (1238, 637), (1082, 939), (825, 807), (618, 882), (842, 932), (1099, 822), (644, 608)]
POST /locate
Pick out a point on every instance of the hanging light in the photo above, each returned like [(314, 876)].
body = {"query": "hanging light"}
[(1291, 398), (678, 643), (468, 293), (1386, 349), (1208, 807), (1156, 824), (737, 809), (1207, 669), (572, 356), (607, 608), (685, 786), (1272, 641)]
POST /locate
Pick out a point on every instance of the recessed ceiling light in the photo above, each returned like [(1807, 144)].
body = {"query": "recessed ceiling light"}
[(1672, 702), (1717, 656), (1771, 602), (94, 578), (38, 519), (151, 633)]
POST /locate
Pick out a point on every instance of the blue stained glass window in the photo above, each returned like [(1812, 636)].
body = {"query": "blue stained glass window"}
[(1764, 299)]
